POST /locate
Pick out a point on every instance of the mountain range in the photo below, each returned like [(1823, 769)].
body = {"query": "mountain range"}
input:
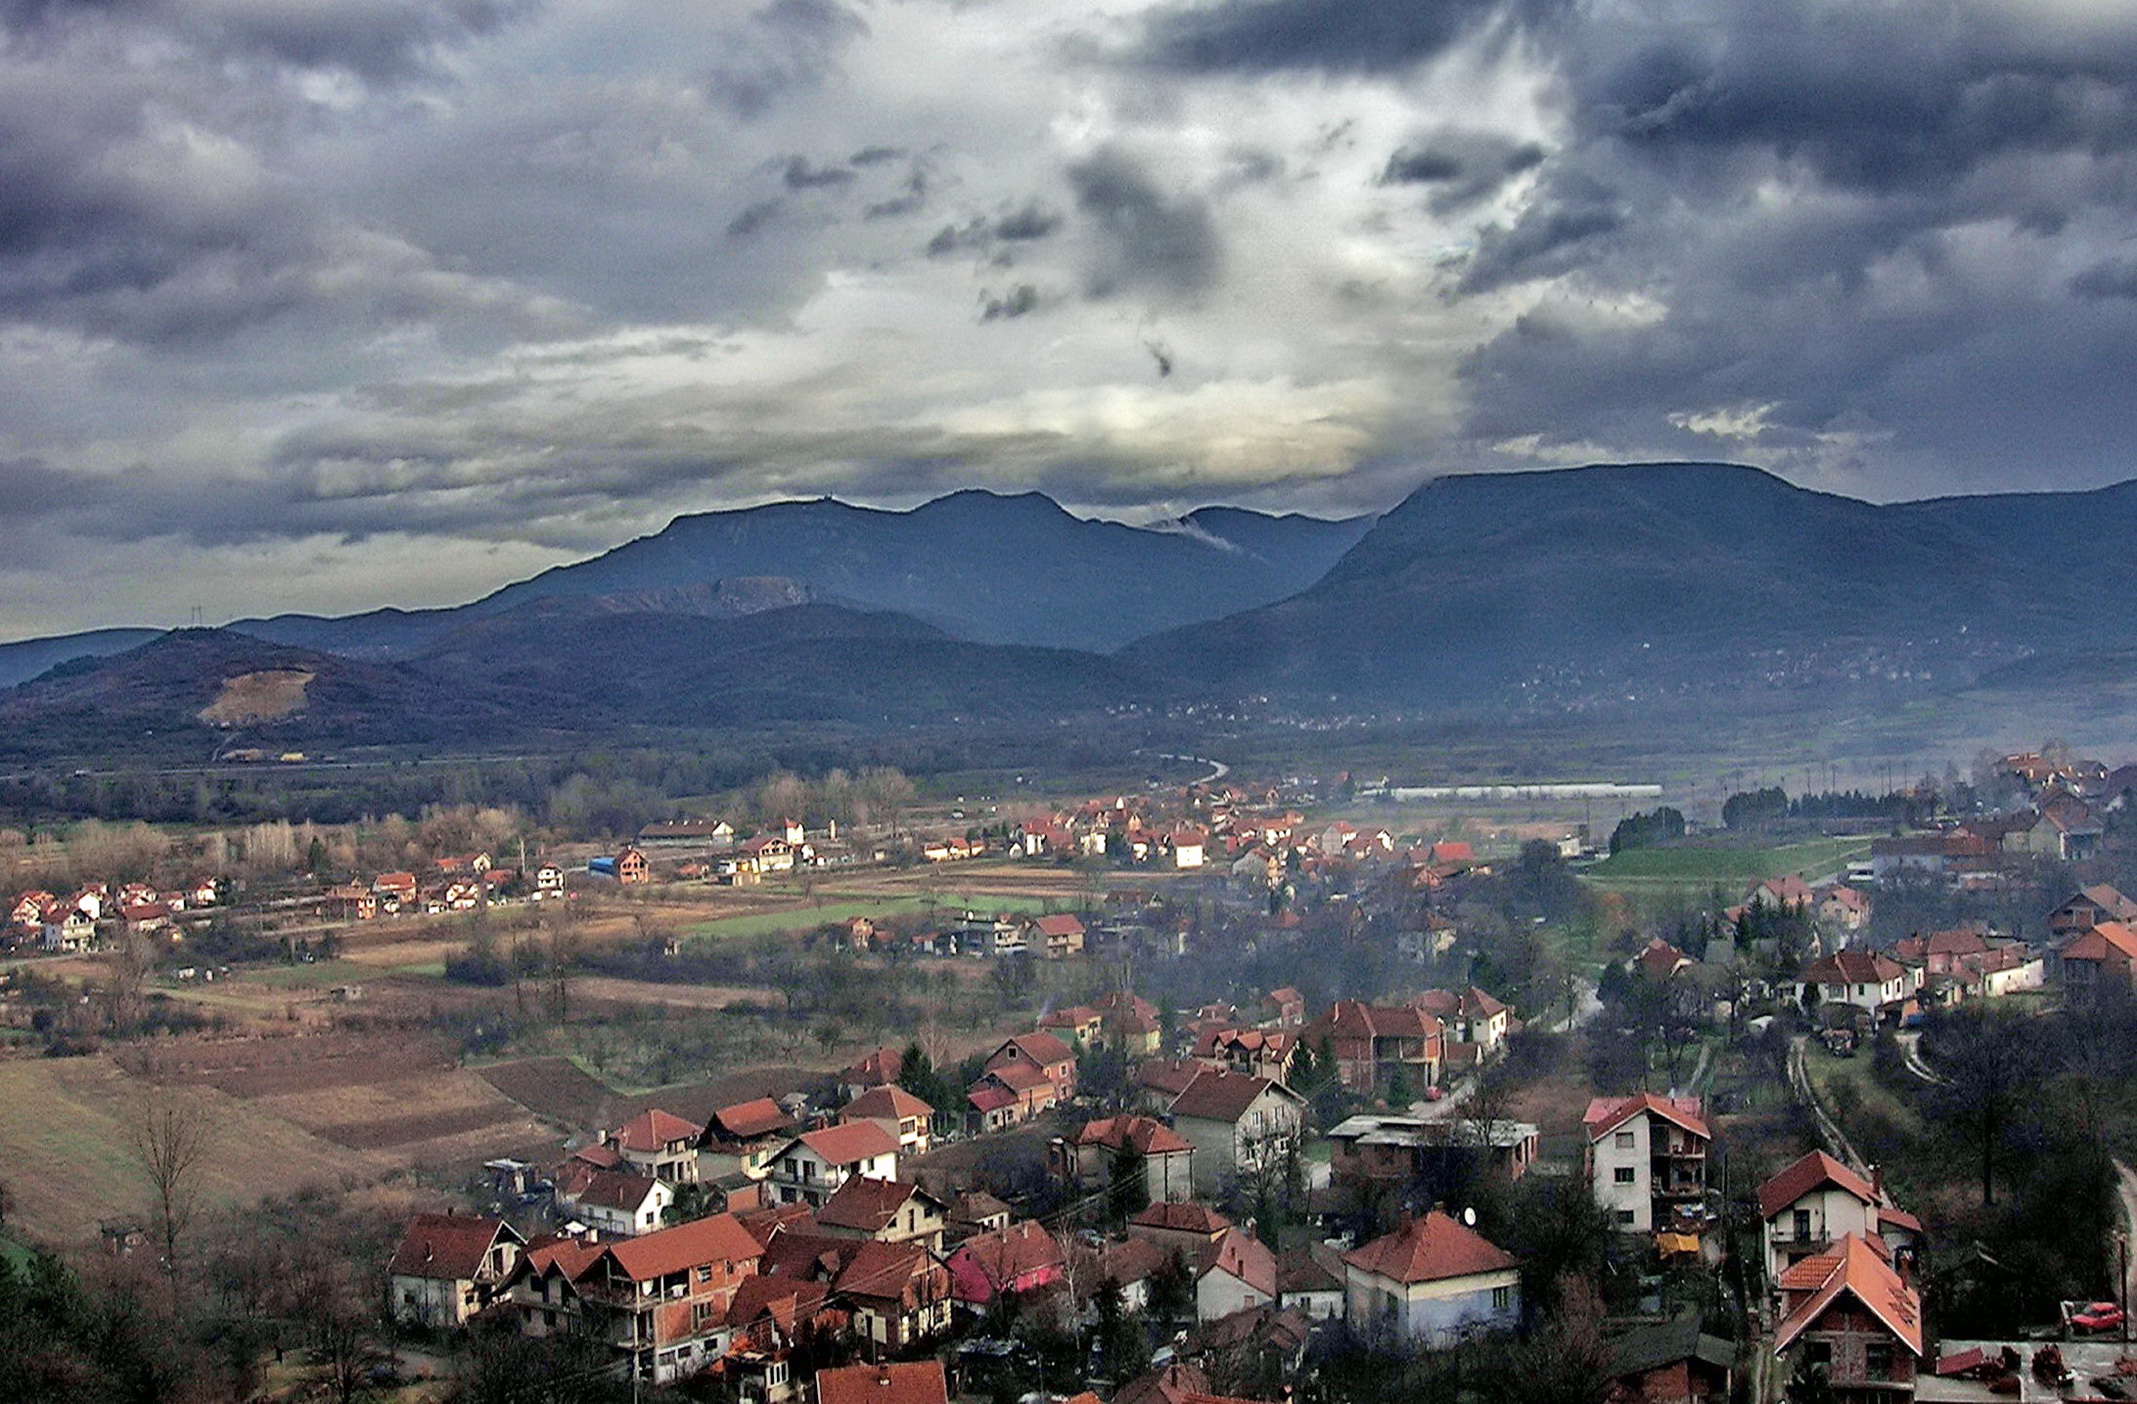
[(1613, 587)]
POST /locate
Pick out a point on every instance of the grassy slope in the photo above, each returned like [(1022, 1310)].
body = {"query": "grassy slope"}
[(1700, 867)]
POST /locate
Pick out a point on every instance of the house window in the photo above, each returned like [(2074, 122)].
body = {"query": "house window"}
[(704, 1272), (1625, 1216), (1800, 1224), (1819, 1353), (776, 1373), (1623, 1140), (1502, 1298), (1623, 1175), (1877, 1360)]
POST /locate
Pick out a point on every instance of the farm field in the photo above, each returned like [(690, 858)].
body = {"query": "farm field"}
[(67, 1123), (1687, 866)]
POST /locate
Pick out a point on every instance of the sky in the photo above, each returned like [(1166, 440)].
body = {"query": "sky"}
[(329, 304)]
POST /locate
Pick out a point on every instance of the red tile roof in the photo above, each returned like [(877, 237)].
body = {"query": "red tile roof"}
[(890, 1103), (853, 1141), (916, 1382), (747, 1120), (890, 1272), (1243, 1256), (1167, 1075), (653, 1129), (1224, 1096), (1059, 925), (1862, 1273), (1807, 1174), (447, 1247), (867, 1205), (1182, 1218), (1147, 1135), (1020, 1077), (1005, 1254), (1606, 1114), (617, 1189), (1852, 968), (1042, 1048), (1431, 1249), (719, 1239), (2095, 942)]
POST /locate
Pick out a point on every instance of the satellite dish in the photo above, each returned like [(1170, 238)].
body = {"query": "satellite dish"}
[(1469, 1218)]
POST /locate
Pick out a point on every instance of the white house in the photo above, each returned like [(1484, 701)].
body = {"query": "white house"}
[(1864, 979), (1646, 1155), (811, 1167), (1816, 1202), (1431, 1283), (1240, 1126), (619, 1204)]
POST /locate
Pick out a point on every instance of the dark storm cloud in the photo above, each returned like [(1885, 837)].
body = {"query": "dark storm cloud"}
[(983, 233), (1882, 98), (381, 40), (1149, 240), (798, 174), (30, 490), (1555, 234), (1460, 167), (2113, 278), (1344, 36), (1019, 301), (788, 47)]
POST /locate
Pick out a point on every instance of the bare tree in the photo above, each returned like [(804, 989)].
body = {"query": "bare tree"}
[(171, 1139)]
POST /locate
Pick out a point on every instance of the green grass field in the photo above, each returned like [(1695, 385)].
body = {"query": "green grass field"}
[(15, 1251), (1684, 866)]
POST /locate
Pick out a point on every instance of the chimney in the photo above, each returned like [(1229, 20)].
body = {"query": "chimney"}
[(1877, 1182)]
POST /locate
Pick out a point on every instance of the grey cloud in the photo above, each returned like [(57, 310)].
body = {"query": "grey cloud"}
[(1880, 98), (1034, 221), (753, 218), (1148, 240), (788, 47), (29, 490), (980, 234), (798, 174), (1461, 167), (875, 155), (1551, 237), (1341, 36), (1019, 301), (2111, 279)]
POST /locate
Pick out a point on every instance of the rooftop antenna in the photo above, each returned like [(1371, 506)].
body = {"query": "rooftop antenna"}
[(196, 616)]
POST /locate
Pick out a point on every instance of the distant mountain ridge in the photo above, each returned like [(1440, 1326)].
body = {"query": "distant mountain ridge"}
[(978, 565), (1579, 585), (1629, 589)]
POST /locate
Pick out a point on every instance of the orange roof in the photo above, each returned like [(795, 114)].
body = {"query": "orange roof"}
[(1807, 1174), (1431, 1249), (746, 1120), (2094, 943), (652, 1130), (915, 1382), (845, 1144), (1859, 1270), (1059, 925), (720, 1238), (1020, 1077), (1606, 1114), (890, 1102)]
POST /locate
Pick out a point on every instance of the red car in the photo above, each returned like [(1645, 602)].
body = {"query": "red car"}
[(2100, 1316)]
